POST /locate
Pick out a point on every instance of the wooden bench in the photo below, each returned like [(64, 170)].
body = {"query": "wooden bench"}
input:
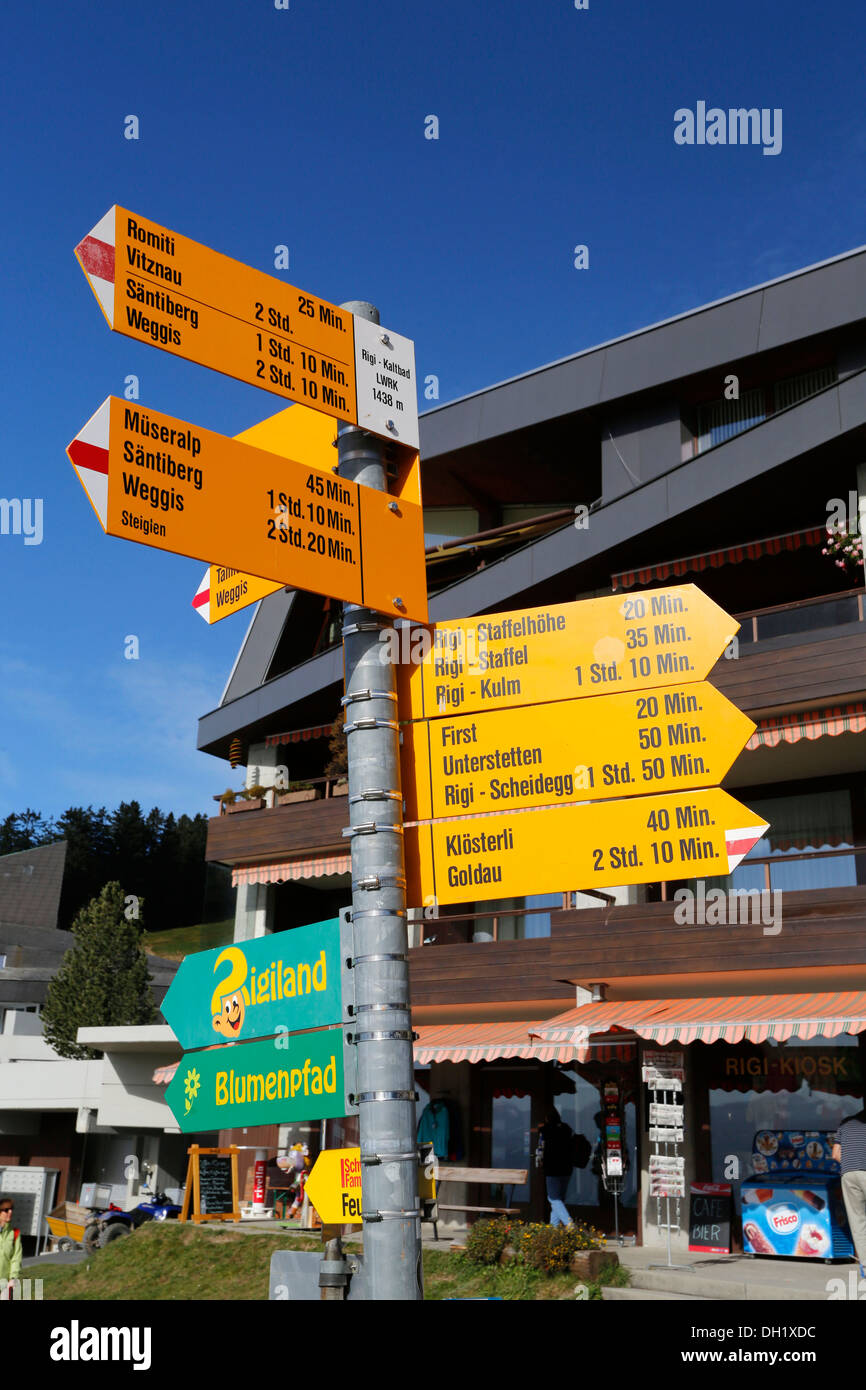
[(505, 1177)]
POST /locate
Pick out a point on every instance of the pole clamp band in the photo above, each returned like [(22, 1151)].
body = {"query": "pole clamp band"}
[(383, 1035), (374, 882), (350, 629), (384, 955), (408, 1214), (375, 794), (368, 695), (384, 1095), (370, 827), (380, 1008), (357, 724), (370, 1160), (379, 912)]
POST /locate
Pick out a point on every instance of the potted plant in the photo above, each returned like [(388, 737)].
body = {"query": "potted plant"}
[(227, 800)]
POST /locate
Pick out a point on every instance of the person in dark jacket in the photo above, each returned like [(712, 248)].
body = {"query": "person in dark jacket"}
[(556, 1143)]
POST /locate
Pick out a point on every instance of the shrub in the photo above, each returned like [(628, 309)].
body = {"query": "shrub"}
[(486, 1240), (552, 1248)]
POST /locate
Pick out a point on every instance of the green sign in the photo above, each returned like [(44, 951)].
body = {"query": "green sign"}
[(274, 1081), (253, 989)]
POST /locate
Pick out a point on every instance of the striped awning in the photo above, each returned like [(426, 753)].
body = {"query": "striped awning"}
[(298, 735), (790, 728), (292, 870), (483, 1042), (755, 1017), (714, 559)]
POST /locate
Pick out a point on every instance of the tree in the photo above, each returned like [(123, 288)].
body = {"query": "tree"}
[(103, 980)]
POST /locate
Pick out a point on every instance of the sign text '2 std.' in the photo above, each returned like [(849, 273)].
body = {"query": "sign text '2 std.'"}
[(278, 1080), (556, 849), (159, 287), (252, 989), (571, 750), (165, 483), (597, 646)]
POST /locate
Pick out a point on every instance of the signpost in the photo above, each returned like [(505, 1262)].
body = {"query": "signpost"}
[(334, 1187), (223, 592), (549, 850), (598, 646), (273, 985), (159, 287), (571, 750), (164, 483), (280, 1080)]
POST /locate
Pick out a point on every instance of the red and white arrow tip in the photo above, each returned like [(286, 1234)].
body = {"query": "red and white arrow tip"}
[(88, 454), (95, 255), (201, 602), (739, 842)]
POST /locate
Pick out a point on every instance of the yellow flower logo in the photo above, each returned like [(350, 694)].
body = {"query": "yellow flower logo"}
[(191, 1086)]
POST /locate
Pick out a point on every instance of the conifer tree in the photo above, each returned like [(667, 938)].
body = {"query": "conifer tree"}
[(103, 979)]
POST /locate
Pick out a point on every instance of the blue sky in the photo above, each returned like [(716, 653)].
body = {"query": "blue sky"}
[(305, 126)]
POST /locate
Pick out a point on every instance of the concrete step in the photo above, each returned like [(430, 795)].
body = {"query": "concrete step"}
[(739, 1289), (617, 1295)]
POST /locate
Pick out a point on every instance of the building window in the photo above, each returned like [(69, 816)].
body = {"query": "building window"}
[(803, 842), (721, 420)]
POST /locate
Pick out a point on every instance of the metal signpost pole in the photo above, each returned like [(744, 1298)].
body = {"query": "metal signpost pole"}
[(382, 1032)]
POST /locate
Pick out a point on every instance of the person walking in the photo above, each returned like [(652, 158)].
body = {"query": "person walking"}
[(850, 1151), (556, 1151), (10, 1250)]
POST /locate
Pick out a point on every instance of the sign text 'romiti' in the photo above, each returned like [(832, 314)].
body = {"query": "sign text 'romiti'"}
[(159, 287)]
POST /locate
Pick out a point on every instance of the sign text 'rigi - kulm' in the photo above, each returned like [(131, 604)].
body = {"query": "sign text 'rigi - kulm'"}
[(165, 483), (159, 287), (281, 1080), (597, 646), (571, 750), (559, 848), (252, 989)]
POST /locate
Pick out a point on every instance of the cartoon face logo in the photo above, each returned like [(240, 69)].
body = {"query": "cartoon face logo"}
[(230, 1018)]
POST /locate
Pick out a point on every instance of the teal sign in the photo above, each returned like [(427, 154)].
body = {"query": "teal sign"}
[(274, 1081), (254, 989)]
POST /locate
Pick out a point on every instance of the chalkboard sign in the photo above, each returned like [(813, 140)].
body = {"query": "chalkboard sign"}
[(710, 1210), (211, 1185)]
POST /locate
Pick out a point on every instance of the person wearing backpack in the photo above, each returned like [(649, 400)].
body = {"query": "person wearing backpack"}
[(10, 1250), (556, 1150)]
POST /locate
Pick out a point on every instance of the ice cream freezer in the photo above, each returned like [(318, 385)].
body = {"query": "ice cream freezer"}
[(792, 1205)]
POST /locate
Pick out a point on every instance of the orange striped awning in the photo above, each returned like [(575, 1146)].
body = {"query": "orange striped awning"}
[(292, 870), (481, 1042), (298, 735), (790, 728), (754, 1017), (714, 559)]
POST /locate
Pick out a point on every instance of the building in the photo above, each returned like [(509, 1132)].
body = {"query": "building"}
[(710, 449), (82, 1120)]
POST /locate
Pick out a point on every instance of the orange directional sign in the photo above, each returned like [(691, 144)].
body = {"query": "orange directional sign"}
[(560, 848), (334, 1187), (589, 750), (162, 288), (165, 483), (598, 646)]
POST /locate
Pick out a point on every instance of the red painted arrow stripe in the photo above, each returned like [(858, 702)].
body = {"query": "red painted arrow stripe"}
[(203, 596), (741, 846), (97, 258), (88, 456)]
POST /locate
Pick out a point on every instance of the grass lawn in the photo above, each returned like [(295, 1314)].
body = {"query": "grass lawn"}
[(169, 1260), (182, 941)]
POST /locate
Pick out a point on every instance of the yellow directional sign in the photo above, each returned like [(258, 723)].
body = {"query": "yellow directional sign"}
[(334, 1187), (162, 288), (560, 848), (165, 483), (223, 592), (571, 750), (598, 646)]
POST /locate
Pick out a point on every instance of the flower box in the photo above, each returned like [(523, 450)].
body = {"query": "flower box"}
[(340, 789), (255, 805), (304, 794)]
